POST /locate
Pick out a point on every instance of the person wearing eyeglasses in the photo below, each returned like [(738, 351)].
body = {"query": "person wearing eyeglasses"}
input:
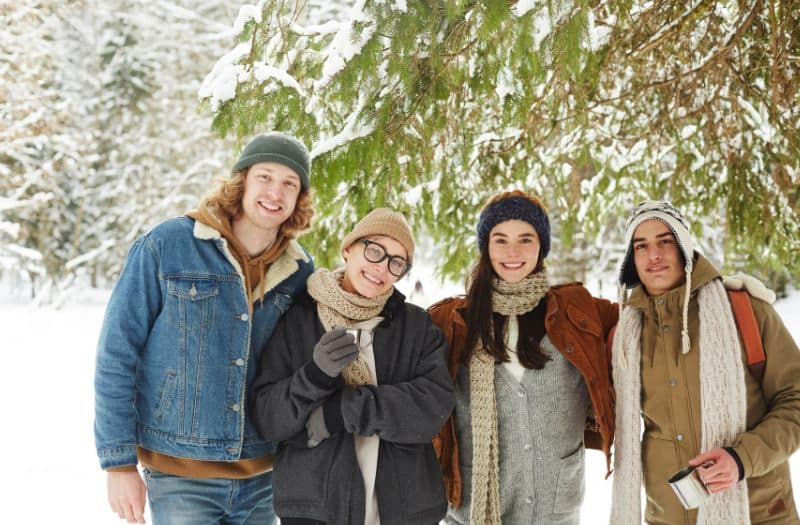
[(354, 386)]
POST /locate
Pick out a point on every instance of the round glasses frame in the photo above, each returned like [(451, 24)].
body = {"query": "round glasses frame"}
[(375, 252)]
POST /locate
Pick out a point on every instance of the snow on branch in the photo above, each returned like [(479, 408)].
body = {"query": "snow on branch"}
[(220, 85), (327, 28), (345, 45), (9, 228), (26, 253), (522, 7), (246, 13), (351, 131), (263, 72), (691, 14), (88, 256), (11, 204)]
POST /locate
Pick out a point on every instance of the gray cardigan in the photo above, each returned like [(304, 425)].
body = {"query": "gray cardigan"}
[(541, 421), (412, 401)]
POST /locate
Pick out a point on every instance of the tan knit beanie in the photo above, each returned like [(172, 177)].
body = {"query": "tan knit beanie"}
[(383, 221)]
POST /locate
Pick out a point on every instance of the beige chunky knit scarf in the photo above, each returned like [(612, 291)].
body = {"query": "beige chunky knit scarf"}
[(723, 407), (509, 299), (337, 307)]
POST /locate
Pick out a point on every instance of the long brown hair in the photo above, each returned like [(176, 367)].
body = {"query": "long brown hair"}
[(227, 196), (488, 328)]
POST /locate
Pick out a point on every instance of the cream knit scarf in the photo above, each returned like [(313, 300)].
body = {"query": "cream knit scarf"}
[(337, 307), (723, 407), (509, 299)]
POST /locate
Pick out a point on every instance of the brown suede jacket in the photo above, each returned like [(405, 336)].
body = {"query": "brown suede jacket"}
[(578, 325)]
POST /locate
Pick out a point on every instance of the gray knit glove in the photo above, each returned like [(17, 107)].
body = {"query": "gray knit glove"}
[(315, 426), (334, 351)]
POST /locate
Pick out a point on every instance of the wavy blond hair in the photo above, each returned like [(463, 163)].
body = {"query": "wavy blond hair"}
[(227, 196)]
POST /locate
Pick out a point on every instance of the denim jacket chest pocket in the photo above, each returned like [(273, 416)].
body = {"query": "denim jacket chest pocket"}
[(190, 301)]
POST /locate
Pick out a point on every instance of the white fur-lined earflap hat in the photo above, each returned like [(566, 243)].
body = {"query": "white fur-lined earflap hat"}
[(628, 276), (669, 215)]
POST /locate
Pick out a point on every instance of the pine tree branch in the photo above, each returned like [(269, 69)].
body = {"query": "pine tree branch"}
[(424, 93), (718, 56), (673, 30)]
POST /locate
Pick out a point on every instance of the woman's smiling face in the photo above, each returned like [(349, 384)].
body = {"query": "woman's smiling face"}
[(513, 250)]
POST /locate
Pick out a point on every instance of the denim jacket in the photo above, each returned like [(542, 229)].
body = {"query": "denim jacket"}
[(179, 349)]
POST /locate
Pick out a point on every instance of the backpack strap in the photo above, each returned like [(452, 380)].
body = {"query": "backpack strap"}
[(748, 329)]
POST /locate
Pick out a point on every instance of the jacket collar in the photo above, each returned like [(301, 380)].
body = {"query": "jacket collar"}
[(205, 232), (392, 306), (283, 267)]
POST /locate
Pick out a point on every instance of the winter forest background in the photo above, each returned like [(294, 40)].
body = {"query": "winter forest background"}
[(112, 113), (117, 114)]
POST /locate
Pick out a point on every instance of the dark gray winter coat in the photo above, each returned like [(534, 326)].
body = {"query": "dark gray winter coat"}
[(412, 401)]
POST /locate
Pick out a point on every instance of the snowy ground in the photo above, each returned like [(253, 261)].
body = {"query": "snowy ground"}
[(51, 472)]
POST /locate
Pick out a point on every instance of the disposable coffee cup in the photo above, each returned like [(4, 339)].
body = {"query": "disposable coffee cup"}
[(687, 486)]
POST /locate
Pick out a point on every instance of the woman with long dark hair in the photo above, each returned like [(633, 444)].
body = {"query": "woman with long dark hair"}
[(531, 373)]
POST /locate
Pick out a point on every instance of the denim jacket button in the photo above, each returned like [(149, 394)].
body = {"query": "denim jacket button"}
[(239, 362), (244, 317), (193, 291), (235, 407)]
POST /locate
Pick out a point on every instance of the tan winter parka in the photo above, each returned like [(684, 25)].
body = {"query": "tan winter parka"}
[(671, 407)]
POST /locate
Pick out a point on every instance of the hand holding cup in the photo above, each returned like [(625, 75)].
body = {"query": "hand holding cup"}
[(335, 350)]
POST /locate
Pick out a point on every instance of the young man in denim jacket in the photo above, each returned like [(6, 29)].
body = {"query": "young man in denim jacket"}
[(197, 299)]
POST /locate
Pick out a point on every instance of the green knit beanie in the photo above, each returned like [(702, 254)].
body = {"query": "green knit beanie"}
[(276, 147)]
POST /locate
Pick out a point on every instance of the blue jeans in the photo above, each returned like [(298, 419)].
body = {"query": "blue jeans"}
[(176, 500)]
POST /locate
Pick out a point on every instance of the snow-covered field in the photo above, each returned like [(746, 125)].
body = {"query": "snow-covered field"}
[(50, 469)]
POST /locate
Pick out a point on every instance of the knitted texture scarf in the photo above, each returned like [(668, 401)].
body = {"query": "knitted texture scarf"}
[(509, 299), (723, 406), (337, 307)]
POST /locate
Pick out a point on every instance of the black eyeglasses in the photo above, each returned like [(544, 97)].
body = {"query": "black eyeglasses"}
[(374, 252)]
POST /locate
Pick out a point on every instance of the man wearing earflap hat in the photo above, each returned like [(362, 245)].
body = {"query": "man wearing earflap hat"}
[(197, 300), (679, 366)]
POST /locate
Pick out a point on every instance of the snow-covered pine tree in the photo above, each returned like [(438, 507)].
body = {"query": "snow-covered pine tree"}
[(38, 145), (156, 155), (432, 106), (103, 138)]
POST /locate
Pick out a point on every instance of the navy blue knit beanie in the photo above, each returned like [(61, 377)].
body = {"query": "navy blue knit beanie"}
[(515, 208)]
